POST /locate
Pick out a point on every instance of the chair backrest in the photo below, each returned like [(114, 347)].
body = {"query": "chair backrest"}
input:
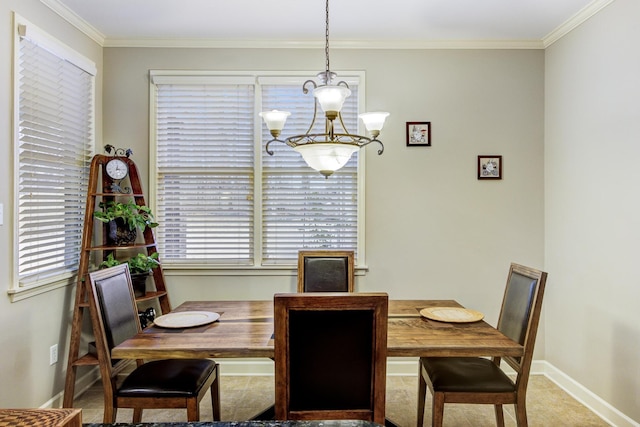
[(520, 313), (330, 356), (325, 271), (114, 312)]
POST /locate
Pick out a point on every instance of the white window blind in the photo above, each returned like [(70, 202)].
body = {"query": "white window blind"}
[(221, 199), (301, 209), (54, 140), (205, 173)]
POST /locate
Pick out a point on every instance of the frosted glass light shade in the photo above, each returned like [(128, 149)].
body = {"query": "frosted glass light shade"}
[(331, 98), (275, 119), (326, 158), (374, 121)]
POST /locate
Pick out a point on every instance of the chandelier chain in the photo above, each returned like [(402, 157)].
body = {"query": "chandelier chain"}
[(326, 37)]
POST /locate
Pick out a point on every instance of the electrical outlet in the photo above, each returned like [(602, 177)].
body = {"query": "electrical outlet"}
[(53, 354)]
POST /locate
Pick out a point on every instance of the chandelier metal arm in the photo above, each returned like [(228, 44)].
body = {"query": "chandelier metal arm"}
[(381, 149), (325, 138), (342, 123), (304, 86), (266, 147), (286, 141), (315, 104), (374, 139)]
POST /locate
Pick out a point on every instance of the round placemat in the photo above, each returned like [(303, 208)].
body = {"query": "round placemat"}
[(186, 319), (452, 314)]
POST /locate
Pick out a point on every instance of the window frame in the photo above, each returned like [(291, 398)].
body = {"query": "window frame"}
[(265, 77), (22, 28)]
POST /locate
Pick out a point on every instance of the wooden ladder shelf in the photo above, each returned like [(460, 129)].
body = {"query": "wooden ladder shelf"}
[(95, 248)]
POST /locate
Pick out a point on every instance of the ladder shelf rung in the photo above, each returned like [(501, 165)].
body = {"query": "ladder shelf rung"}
[(151, 295), (86, 360)]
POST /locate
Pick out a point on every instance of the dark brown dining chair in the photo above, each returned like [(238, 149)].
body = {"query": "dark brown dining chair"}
[(330, 356), (173, 383), (481, 380), (325, 271)]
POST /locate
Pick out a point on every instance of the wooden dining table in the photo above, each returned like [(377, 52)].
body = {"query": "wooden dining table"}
[(245, 329)]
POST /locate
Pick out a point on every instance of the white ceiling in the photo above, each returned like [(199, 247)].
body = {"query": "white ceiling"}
[(355, 22)]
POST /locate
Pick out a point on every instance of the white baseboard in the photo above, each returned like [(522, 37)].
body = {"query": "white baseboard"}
[(583, 395), (400, 366), (82, 384), (403, 366), (246, 367)]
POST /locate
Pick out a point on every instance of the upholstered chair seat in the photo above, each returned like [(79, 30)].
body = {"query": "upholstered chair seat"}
[(467, 375), (168, 378)]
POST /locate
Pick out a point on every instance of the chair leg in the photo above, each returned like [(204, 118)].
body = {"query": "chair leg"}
[(499, 415), (110, 411), (437, 415), (422, 396), (215, 397), (521, 411), (193, 409), (137, 415)]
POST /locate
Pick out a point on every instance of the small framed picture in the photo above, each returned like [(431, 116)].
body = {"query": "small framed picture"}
[(418, 134), (489, 167)]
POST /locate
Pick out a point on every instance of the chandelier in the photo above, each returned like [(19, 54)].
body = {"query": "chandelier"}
[(329, 151)]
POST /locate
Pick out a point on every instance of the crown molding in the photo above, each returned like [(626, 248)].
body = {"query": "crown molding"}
[(576, 20), (337, 44), (75, 20)]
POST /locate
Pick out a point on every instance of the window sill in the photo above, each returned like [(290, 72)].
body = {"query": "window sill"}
[(25, 292), (209, 270)]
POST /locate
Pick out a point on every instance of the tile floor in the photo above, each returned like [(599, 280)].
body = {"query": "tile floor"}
[(244, 396)]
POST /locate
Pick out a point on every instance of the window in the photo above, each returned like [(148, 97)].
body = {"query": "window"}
[(54, 121), (221, 200)]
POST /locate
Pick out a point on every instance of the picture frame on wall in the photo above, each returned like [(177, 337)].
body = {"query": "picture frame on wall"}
[(418, 134), (490, 167)]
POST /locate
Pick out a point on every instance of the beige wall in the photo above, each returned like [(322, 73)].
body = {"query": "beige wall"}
[(28, 328), (433, 230), (592, 214)]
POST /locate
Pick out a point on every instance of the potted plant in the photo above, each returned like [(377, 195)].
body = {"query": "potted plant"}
[(142, 263), (124, 219), (109, 262), (140, 267)]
